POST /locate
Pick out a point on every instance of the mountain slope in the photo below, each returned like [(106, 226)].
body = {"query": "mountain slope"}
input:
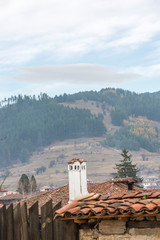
[(119, 109), (29, 123)]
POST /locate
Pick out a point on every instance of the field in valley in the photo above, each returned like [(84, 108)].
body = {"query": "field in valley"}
[(100, 162)]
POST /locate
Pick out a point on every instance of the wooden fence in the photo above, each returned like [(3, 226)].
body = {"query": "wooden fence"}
[(19, 224)]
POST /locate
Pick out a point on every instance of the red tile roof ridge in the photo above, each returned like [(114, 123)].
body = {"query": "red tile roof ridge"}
[(73, 204), (84, 197), (94, 197)]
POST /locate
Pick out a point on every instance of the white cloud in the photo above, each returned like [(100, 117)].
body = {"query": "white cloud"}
[(37, 33), (85, 74), (73, 28), (148, 72)]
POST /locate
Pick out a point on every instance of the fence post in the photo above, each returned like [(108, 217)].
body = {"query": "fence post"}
[(34, 222), (16, 216), (24, 222), (46, 221), (3, 232), (10, 223)]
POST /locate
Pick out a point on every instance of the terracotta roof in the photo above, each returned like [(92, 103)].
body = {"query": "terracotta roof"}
[(62, 193), (76, 160), (135, 202), (12, 197)]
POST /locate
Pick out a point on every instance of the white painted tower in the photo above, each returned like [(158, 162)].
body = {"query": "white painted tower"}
[(77, 178)]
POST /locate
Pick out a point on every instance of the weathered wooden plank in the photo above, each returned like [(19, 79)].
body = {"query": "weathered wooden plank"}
[(3, 232), (69, 230), (110, 227), (57, 206), (56, 223), (16, 216), (10, 223), (57, 229), (24, 222), (34, 222), (47, 221)]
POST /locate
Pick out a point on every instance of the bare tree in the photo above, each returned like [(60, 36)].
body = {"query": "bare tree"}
[(6, 174)]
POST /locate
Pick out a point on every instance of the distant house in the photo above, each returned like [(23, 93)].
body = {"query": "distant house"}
[(11, 198), (3, 192), (45, 188), (151, 183)]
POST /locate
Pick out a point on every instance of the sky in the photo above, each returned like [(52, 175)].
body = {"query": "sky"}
[(59, 46)]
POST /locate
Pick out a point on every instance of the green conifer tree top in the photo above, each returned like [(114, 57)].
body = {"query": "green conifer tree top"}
[(126, 168)]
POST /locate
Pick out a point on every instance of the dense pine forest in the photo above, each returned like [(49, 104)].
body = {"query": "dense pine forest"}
[(28, 123)]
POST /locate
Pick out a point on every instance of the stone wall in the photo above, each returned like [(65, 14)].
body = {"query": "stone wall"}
[(118, 230)]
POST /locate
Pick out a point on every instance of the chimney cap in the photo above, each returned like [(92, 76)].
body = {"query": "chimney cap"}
[(76, 160)]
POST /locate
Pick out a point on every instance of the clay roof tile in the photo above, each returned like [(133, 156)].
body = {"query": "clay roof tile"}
[(151, 206), (156, 201), (85, 210), (155, 194), (137, 207)]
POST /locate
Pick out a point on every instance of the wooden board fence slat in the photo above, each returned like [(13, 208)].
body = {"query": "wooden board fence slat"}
[(56, 223), (69, 230), (46, 221), (10, 223), (3, 233), (34, 222), (24, 222), (15, 224), (16, 216), (57, 206)]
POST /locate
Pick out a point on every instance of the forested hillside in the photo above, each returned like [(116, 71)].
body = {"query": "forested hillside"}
[(28, 122), (122, 105)]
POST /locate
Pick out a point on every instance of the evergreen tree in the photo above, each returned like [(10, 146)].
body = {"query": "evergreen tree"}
[(33, 184), (24, 186), (126, 168)]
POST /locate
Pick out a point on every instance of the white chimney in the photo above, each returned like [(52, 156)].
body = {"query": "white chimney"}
[(77, 178)]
